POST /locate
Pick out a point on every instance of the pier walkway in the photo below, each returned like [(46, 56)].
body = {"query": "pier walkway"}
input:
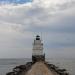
[(39, 68)]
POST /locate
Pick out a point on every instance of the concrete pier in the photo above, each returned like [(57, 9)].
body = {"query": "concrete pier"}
[(40, 68)]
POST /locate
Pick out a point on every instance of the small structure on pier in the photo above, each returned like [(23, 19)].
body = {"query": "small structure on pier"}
[(37, 53)]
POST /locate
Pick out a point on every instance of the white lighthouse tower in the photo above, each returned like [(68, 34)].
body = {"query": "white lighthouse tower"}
[(37, 46), (37, 53)]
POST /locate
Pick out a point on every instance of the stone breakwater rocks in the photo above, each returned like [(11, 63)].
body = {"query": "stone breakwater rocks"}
[(37, 68), (57, 69), (18, 70)]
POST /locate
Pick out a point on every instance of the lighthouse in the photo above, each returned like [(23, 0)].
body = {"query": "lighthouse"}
[(37, 52)]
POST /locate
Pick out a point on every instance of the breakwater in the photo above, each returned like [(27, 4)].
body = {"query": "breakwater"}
[(30, 68)]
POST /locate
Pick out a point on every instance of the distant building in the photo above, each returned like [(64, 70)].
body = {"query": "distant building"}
[(37, 53)]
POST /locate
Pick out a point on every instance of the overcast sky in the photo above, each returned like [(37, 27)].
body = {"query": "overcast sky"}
[(22, 20)]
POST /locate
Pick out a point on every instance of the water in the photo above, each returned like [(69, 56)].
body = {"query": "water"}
[(68, 64), (6, 65)]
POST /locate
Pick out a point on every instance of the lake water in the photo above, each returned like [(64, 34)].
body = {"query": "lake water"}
[(6, 65)]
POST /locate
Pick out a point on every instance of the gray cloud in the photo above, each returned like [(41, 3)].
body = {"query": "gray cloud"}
[(20, 23)]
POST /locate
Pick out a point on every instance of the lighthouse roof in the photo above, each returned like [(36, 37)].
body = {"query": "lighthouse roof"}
[(37, 37)]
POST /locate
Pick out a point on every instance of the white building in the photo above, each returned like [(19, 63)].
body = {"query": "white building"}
[(37, 54), (37, 46)]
